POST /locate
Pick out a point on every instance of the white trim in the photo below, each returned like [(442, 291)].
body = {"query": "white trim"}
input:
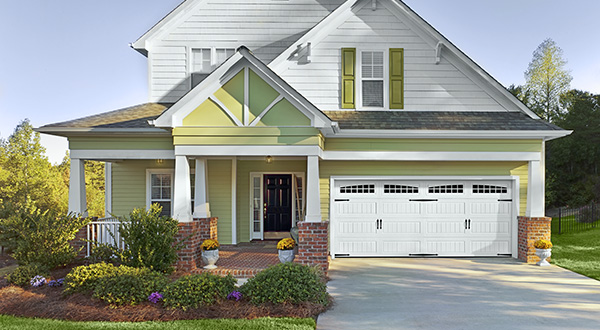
[(448, 134), (313, 195), (360, 79), (107, 189), (535, 190), (246, 114), (264, 112), (122, 154), (242, 150), (234, 200), (181, 200), (149, 172), (201, 204), (77, 196), (226, 110), (430, 156), (515, 216)]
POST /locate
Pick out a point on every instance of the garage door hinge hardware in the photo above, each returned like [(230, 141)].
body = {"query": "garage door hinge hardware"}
[(505, 200), (341, 200), (422, 200)]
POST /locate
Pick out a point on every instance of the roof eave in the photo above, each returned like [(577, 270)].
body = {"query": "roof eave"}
[(546, 135), (83, 131)]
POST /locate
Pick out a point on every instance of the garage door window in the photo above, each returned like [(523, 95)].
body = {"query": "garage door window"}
[(489, 189), (399, 189), (358, 189), (446, 189)]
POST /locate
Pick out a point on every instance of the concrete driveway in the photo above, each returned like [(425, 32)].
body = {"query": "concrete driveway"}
[(440, 293)]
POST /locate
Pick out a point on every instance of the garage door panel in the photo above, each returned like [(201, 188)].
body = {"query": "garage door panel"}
[(441, 208), (483, 247), (362, 247), (356, 208), (446, 247), (444, 228), (401, 227), (400, 208), (490, 227), (358, 227), (493, 208), (392, 247)]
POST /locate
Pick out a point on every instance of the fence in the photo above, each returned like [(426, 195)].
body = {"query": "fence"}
[(104, 231), (572, 220)]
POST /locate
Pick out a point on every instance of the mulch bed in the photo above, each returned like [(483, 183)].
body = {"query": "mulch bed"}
[(48, 302)]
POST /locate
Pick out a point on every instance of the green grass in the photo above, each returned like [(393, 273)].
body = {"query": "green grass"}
[(17, 323), (579, 252)]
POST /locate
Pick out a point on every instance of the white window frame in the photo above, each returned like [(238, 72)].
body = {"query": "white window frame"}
[(261, 236), (213, 60), (386, 78), (149, 173)]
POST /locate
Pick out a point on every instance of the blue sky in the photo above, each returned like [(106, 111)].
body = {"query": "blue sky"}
[(65, 59)]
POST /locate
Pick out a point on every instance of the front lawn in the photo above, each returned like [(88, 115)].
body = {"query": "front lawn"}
[(17, 323), (579, 252)]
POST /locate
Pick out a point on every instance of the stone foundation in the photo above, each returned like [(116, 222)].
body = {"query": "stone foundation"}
[(200, 229), (531, 230), (313, 248)]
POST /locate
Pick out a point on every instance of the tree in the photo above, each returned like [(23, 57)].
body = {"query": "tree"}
[(546, 80), (26, 174), (94, 184), (572, 162)]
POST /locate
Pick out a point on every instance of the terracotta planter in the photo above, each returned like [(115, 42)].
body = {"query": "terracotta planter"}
[(210, 257)]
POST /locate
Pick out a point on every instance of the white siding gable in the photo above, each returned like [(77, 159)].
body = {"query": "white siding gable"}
[(428, 86), (267, 27)]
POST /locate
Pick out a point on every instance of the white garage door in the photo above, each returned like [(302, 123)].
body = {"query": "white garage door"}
[(403, 217)]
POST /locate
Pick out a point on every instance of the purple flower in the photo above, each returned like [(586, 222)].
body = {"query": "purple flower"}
[(155, 297), (37, 281), (56, 283), (235, 295)]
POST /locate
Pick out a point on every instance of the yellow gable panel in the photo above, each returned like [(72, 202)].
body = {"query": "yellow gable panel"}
[(284, 114), (232, 95), (208, 114)]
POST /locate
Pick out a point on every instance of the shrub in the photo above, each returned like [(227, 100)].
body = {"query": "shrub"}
[(129, 286), (84, 278), (103, 252), (150, 239), (287, 283), (193, 291), (23, 274), (41, 237)]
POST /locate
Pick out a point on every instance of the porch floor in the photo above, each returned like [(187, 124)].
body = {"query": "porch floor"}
[(244, 260)]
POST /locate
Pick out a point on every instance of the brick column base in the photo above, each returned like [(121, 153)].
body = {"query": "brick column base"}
[(313, 248), (79, 244), (531, 230), (196, 232)]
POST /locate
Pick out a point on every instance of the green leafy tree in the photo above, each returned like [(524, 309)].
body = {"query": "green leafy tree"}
[(26, 174), (94, 184), (546, 80), (572, 161)]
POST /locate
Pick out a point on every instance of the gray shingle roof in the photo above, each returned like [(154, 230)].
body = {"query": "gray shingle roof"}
[(438, 120), (136, 116)]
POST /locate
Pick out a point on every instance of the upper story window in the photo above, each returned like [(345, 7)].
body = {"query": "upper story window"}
[(372, 79), (372, 83), (205, 60)]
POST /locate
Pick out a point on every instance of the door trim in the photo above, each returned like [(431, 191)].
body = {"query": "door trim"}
[(515, 192), (261, 236)]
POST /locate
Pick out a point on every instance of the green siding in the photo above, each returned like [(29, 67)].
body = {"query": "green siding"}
[(261, 95), (284, 114), (219, 197), (129, 184), (366, 168), (245, 167), (350, 144), (232, 95), (121, 143)]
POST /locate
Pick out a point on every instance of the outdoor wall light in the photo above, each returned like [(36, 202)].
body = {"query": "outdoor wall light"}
[(269, 159), (159, 161)]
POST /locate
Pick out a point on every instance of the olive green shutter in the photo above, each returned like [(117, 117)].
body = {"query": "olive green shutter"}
[(396, 78), (348, 76)]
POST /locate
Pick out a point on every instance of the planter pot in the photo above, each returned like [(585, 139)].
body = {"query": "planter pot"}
[(543, 254), (210, 257), (286, 255)]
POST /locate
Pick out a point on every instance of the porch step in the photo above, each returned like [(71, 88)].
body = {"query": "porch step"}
[(244, 260)]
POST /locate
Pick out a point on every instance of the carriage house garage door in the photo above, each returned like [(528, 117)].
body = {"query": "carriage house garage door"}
[(443, 217)]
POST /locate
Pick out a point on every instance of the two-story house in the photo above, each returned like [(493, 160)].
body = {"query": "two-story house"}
[(354, 120)]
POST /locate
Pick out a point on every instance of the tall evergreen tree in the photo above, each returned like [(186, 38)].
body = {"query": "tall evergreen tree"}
[(546, 80)]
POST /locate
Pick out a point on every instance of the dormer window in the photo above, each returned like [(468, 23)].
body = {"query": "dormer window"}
[(205, 60)]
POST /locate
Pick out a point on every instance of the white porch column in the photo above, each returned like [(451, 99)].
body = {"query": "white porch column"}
[(182, 190), (313, 198), (535, 190), (201, 206), (77, 200), (107, 189)]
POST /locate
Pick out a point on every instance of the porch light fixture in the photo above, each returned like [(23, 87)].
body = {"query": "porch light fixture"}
[(269, 159), (159, 161)]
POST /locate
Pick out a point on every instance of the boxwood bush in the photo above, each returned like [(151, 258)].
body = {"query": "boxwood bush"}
[(23, 274), (287, 283), (193, 291), (129, 286)]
